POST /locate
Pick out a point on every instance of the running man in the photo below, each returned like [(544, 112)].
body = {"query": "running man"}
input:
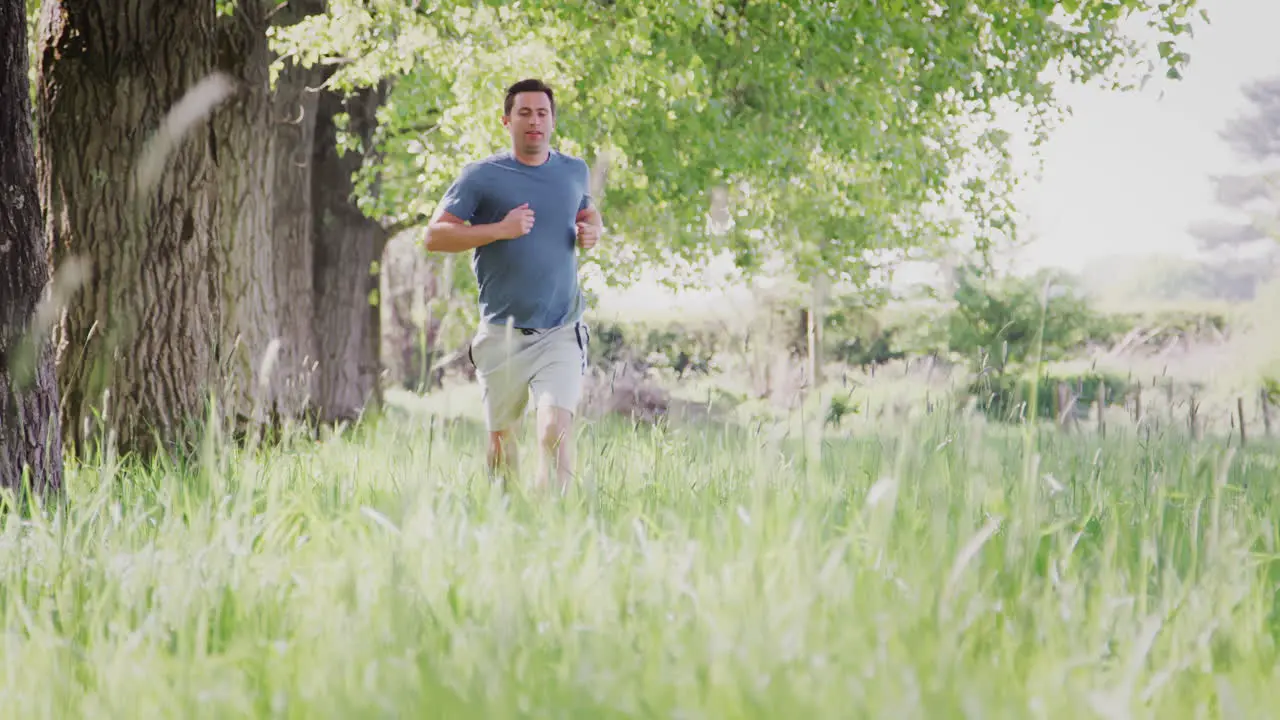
[(522, 212)]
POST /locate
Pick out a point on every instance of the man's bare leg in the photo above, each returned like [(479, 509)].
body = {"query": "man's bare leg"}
[(555, 440), (502, 457)]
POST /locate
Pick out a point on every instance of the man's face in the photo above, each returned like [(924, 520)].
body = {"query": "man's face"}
[(530, 122)]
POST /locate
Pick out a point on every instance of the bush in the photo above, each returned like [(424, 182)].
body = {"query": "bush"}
[(1007, 397), (681, 349), (1006, 323), (1157, 328), (877, 350)]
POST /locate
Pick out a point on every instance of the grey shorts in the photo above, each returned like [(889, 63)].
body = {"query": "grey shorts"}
[(511, 364)]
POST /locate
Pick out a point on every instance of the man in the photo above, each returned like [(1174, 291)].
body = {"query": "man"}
[(522, 212)]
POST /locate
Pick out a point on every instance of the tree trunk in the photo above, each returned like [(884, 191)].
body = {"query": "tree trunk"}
[(409, 329), (142, 327), (292, 141), (243, 250), (346, 245), (29, 426)]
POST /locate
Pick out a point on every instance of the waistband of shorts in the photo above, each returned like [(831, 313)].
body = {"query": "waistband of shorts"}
[(502, 327)]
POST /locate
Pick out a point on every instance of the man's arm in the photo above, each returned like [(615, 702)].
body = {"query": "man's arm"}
[(450, 234)]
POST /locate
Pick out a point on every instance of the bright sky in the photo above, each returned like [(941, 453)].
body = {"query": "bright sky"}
[(1129, 172)]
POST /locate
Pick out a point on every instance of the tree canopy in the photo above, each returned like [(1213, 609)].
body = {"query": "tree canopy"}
[(820, 130)]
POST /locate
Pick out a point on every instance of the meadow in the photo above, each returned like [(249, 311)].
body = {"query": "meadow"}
[(904, 557), (930, 566)]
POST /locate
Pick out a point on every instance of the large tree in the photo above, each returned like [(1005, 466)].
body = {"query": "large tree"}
[(347, 243), (295, 97), (30, 442), (293, 250), (243, 253), (127, 174), (323, 247), (212, 254)]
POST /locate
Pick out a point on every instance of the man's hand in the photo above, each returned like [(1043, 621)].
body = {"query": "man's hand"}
[(517, 223), (589, 228)]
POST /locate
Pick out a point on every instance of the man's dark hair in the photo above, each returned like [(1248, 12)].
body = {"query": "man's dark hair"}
[(529, 85)]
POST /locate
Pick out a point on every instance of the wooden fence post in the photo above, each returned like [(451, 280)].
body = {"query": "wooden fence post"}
[(1266, 412), (1193, 408), (1244, 438), (1102, 405)]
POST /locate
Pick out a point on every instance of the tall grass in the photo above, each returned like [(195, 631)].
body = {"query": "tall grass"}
[(929, 570)]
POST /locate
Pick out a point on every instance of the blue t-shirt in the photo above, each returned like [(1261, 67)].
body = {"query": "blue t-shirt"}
[(532, 279)]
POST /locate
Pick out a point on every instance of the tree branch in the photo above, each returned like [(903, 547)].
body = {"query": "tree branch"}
[(400, 226)]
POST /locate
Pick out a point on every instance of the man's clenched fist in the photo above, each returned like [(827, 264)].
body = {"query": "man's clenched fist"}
[(588, 228), (518, 222)]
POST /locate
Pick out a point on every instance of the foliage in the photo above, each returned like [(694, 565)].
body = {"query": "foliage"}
[(991, 324), (917, 329), (1007, 322), (450, 62), (691, 349), (1160, 326), (929, 331), (853, 333), (861, 350), (1008, 397), (818, 131), (832, 128), (984, 320), (679, 348)]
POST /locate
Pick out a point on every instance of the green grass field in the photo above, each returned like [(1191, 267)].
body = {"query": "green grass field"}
[(929, 570)]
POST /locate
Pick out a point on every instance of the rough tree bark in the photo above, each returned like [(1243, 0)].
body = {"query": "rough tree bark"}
[(292, 139), (141, 328), (243, 252), (30, 430), (408, 334), (347, 242)]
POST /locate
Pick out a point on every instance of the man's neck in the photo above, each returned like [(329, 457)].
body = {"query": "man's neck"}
[(535, 159)]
